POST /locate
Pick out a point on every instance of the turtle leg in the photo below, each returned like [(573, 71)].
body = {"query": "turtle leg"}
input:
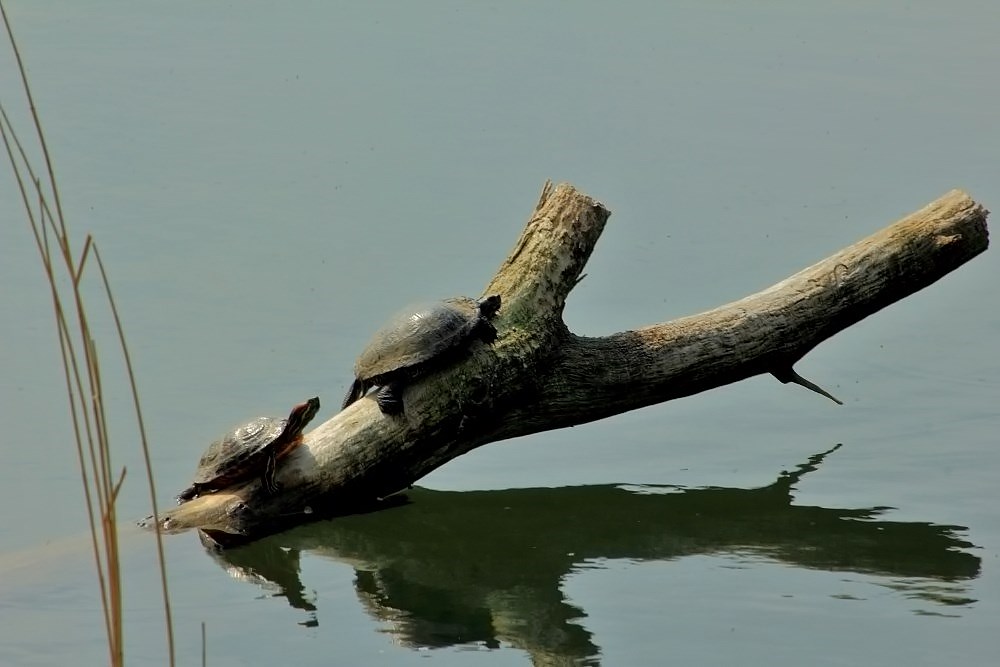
[(356, 391), (390, 399), (189, 493), (486, 332), (270, 485)]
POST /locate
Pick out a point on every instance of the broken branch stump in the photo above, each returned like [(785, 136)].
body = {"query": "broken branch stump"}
[(540, 376)]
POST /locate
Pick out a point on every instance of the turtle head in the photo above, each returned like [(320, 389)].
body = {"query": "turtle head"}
[(302, 414), (489, 306)]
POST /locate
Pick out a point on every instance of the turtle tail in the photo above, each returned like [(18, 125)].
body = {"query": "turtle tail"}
[(357, 391)]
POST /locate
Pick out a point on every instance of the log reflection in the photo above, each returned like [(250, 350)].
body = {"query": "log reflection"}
[(485, 567)]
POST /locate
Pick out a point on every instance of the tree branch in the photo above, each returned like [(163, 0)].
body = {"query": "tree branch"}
[(539, 376)]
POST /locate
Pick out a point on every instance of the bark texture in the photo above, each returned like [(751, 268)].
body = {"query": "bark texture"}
[(540, 376)]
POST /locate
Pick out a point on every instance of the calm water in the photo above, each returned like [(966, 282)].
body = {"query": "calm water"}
[(267, 184)]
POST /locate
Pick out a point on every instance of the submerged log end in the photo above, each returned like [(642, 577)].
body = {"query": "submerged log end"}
[(214, 511), (538, 376)]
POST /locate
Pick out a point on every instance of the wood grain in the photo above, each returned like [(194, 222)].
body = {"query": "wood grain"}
[(540, 376)]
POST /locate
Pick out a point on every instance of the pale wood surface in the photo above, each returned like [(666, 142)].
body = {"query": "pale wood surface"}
[(539, 376)]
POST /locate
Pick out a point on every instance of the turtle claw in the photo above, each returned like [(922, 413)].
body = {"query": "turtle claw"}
[(389, 399), (267, 480)]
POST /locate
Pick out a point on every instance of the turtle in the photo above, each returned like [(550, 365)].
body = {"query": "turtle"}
[(417, 341), (250, 450)]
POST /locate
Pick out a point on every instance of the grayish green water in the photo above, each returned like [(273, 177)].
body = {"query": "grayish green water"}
[(268, 183)]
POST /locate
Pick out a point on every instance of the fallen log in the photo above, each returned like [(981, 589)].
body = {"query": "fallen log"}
[(539, 376)]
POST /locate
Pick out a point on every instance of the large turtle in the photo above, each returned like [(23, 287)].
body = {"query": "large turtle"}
[(250, 450), (417, 341)]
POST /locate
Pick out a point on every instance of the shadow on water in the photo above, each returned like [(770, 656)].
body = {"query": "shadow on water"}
[(484, 567)]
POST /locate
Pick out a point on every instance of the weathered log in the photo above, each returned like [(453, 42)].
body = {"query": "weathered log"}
[(540, 376)]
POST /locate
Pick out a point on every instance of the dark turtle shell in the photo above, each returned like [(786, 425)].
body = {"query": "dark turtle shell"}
[(418, 340), (250, 450)]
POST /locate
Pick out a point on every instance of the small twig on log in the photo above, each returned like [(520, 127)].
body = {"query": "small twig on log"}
[(539, 376), (788, 374)]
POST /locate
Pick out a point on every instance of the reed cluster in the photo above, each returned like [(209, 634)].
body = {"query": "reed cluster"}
[(66, 270)]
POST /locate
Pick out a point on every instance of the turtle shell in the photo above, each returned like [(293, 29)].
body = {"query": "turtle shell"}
[(245, 451), (419, 335)]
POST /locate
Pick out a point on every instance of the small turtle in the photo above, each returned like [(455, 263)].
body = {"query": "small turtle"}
[(249, 450), (418, 341)]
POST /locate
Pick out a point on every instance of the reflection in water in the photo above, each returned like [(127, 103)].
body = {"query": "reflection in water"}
[(485, 567), (268, 564)]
